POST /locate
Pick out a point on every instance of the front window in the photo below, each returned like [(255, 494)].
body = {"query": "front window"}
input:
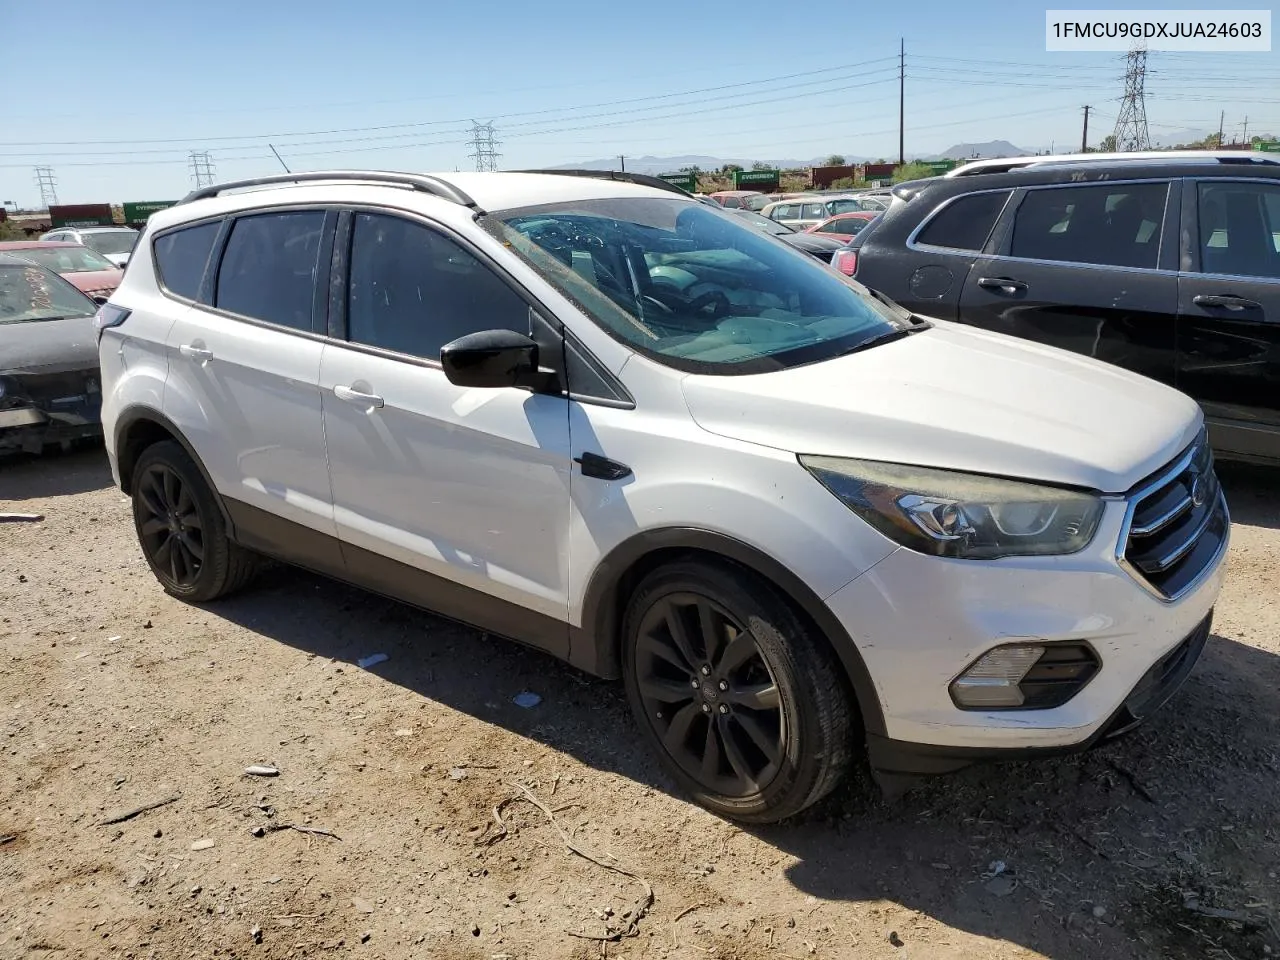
[(67, 259), (111, 241), (29, 293), (692, 288)]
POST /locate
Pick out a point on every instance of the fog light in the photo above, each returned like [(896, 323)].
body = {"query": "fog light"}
[(1026, 676), (993, 679)]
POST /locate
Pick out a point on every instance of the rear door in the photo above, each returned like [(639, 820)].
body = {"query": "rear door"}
[(243, 384), (925, 272), (1229, 309), (1087, 267)]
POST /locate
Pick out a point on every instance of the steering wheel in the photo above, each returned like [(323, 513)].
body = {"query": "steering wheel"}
[(717, 301)]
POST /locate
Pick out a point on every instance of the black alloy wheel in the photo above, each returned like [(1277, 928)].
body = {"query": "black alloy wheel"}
[(181, 528), (711, 696), (746, 704), (170, 528)]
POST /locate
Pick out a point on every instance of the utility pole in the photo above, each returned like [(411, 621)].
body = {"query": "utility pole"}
[(1245, 136), (902, 109), (1222, 118), (1084, 137), (623, 161), (48, 186)]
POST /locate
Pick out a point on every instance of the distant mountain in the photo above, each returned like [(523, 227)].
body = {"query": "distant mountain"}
[(992, 148)]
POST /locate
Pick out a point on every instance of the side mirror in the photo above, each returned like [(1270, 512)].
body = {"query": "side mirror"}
[(99, 299), (491, 358)]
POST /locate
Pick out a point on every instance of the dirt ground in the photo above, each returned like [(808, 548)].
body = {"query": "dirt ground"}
[(112, 695)]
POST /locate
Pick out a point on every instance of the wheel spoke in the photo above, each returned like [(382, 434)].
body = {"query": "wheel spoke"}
[(677, 735), (175, 559), (163, 552), (738, 651), (192, 519), (184, 504), (680, 633), (152, 526), (195, 551), (766, 744), (733, 753), (152, 496), (666, 691), (712, 629), (759, 696), (711, 754), (662, 648), (171, 487)]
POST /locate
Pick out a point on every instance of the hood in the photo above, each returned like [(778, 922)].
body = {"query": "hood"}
[(88, 281), (119, 259), (960, 399), (48, 346)]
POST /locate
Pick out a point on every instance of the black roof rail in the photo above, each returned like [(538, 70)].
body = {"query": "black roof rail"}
[(416, 181), (640, 179)]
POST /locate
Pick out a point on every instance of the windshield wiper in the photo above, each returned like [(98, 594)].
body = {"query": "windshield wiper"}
[(886, 337)]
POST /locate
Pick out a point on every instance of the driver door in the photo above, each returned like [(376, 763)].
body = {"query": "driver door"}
[(452, 497)]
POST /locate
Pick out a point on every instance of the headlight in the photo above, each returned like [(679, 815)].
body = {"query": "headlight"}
[(961, 515)]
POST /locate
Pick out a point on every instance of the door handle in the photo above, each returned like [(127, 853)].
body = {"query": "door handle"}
[(192, 352), (1226, 302), (1003, 284), (371, 400)]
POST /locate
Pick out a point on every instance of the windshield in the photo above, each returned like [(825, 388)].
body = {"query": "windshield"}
[(29, 293), (67, 259), (111, 241), (693, 288)]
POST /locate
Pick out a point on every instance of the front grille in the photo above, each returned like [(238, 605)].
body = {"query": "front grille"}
[(1177, 524)]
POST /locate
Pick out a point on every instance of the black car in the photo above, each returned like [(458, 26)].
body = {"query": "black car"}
[(49, 387), (1166, 264), (811, 243)]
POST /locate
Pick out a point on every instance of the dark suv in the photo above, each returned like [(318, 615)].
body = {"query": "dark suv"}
[(1167, 264)]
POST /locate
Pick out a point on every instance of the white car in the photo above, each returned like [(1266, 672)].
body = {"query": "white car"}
[(114, 243), (802, 212), (593, 414)]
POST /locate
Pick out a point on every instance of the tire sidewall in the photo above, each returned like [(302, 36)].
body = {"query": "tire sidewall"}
[(175, 458)]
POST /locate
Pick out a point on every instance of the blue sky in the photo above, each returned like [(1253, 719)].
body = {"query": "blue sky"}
[(394, 84)]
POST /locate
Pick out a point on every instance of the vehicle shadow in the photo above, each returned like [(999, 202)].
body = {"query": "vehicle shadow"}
[(54, 474), (1253, 493), (1075, 857)]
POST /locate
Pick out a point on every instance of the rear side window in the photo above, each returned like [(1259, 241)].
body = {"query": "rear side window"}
[(268, 269), (965, 223), (1240, 228), (181, 257), (813, 211), (1111, 224)]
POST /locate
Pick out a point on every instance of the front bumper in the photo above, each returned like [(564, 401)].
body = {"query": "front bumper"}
[(1156, 687), (72, 412), (918, 622)]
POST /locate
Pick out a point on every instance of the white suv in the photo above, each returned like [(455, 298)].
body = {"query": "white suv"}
[(595, 415)]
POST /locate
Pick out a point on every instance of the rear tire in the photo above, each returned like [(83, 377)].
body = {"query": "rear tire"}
[(744, 703), (181, 529)]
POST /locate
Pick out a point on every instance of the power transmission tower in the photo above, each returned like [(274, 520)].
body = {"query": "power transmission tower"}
[(483, 147), (1131, 125), (48, 186), (202, 170)]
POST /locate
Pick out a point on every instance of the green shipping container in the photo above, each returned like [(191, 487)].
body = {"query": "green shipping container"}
[(766, 181), (1267, 146), (137, 211), (685, 181)]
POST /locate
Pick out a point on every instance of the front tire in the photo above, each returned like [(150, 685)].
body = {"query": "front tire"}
[(743, 702), (181, 530)]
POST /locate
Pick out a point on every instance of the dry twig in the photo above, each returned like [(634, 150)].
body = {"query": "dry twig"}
[(641, 907), (130, 814), (319, 831)]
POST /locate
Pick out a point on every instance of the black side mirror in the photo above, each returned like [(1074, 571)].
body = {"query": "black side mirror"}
[(491, 358), (99, 299)]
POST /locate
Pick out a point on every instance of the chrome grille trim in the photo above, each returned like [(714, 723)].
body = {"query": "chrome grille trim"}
[(1155, 550)]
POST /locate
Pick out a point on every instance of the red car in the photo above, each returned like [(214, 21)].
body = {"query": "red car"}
[(843, 226), (89, 271)]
